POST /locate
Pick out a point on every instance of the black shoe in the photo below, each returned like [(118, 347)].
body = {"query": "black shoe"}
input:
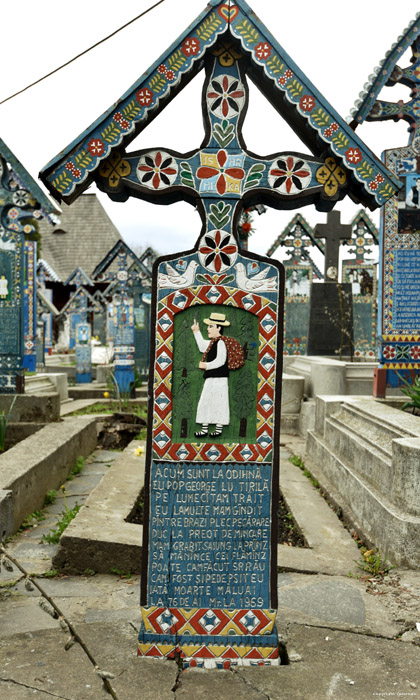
[(201, 433)]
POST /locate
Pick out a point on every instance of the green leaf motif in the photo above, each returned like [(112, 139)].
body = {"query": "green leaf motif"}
[(187, 178), (208, 27), (365, 170), (247, 31), (176, 61), (200, 278), (295, 88), (220, 214), (157, 83), (61, 182), (224, 134), (340, 140), (275, 64), (111, 132), (255, 174), (320, 117), (131, 110), (228, 279)]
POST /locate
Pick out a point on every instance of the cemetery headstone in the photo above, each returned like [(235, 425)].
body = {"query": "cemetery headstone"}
[(21, 202), (130, 273), (211, 484), (100, 318), (361, 273), (83, 354), (399, 265), (331, 314), (30, 313), (46, 274), (300, 268)]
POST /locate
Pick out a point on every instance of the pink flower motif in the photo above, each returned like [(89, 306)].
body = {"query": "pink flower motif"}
[(190, 46), (353, 155), (170, 75), (307, 103), (263, 50), (96, 147), (144, 97), (13, 213), (415, 352), (389, 352), (70, 166), (162, 69)]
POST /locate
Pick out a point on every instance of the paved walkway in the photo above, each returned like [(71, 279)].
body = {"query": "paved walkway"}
[(346, 637)]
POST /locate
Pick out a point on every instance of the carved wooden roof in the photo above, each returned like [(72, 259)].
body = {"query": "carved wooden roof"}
[(221, 27)]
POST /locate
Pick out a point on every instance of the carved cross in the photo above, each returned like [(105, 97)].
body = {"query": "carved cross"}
[(333, 232), (222, 177)]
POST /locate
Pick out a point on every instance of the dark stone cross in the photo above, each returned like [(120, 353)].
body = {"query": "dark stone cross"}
[(333, 232)]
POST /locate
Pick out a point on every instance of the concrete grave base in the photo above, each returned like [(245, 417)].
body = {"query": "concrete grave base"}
[(42, 462), (368, 453)]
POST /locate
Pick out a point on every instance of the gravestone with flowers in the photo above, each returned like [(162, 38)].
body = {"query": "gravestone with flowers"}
[(209, 576)]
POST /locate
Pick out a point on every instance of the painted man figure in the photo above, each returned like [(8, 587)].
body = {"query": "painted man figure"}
[(213, 407)]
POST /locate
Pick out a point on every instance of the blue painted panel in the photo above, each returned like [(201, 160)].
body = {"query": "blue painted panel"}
[(210, 528)]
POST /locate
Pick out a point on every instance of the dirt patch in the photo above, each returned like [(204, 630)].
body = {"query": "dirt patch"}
[(119, 429)]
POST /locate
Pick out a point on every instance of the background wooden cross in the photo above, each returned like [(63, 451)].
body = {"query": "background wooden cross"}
[(333, 232)]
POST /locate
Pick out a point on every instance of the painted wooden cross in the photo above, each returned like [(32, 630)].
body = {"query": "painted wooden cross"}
[(130, 271), (209, 558), (333, 232), (222, 176)]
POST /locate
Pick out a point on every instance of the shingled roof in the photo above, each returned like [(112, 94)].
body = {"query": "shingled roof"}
[(83, 237)]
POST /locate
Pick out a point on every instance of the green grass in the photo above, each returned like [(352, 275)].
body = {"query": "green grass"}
[(77, 469), (53, 536), (32, 519), (50, 497), (119, 572)]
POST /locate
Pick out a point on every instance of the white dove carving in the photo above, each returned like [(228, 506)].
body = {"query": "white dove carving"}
[(257, 283), (177, 280)]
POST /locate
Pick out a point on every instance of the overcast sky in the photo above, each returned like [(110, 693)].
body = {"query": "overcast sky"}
[(336, 44)]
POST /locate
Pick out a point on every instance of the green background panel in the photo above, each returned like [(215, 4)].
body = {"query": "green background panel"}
[(187, 378)]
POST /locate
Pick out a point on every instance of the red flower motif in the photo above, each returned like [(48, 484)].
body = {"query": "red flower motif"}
[(118, 116), (353, 155), (328, 132), (205, 171), (415, 352), (70, 166), (162, 69), (190, 46), (157, 170), (288, 74), (225, 95), (291, 174), (334, 126), (307, 103), (77, 172), (379, 178), (373, 185), (389, 352), (217, 249), (124, 124), (263, 50), (282, 80), (170, 75), (96, 147), (144, 97)]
